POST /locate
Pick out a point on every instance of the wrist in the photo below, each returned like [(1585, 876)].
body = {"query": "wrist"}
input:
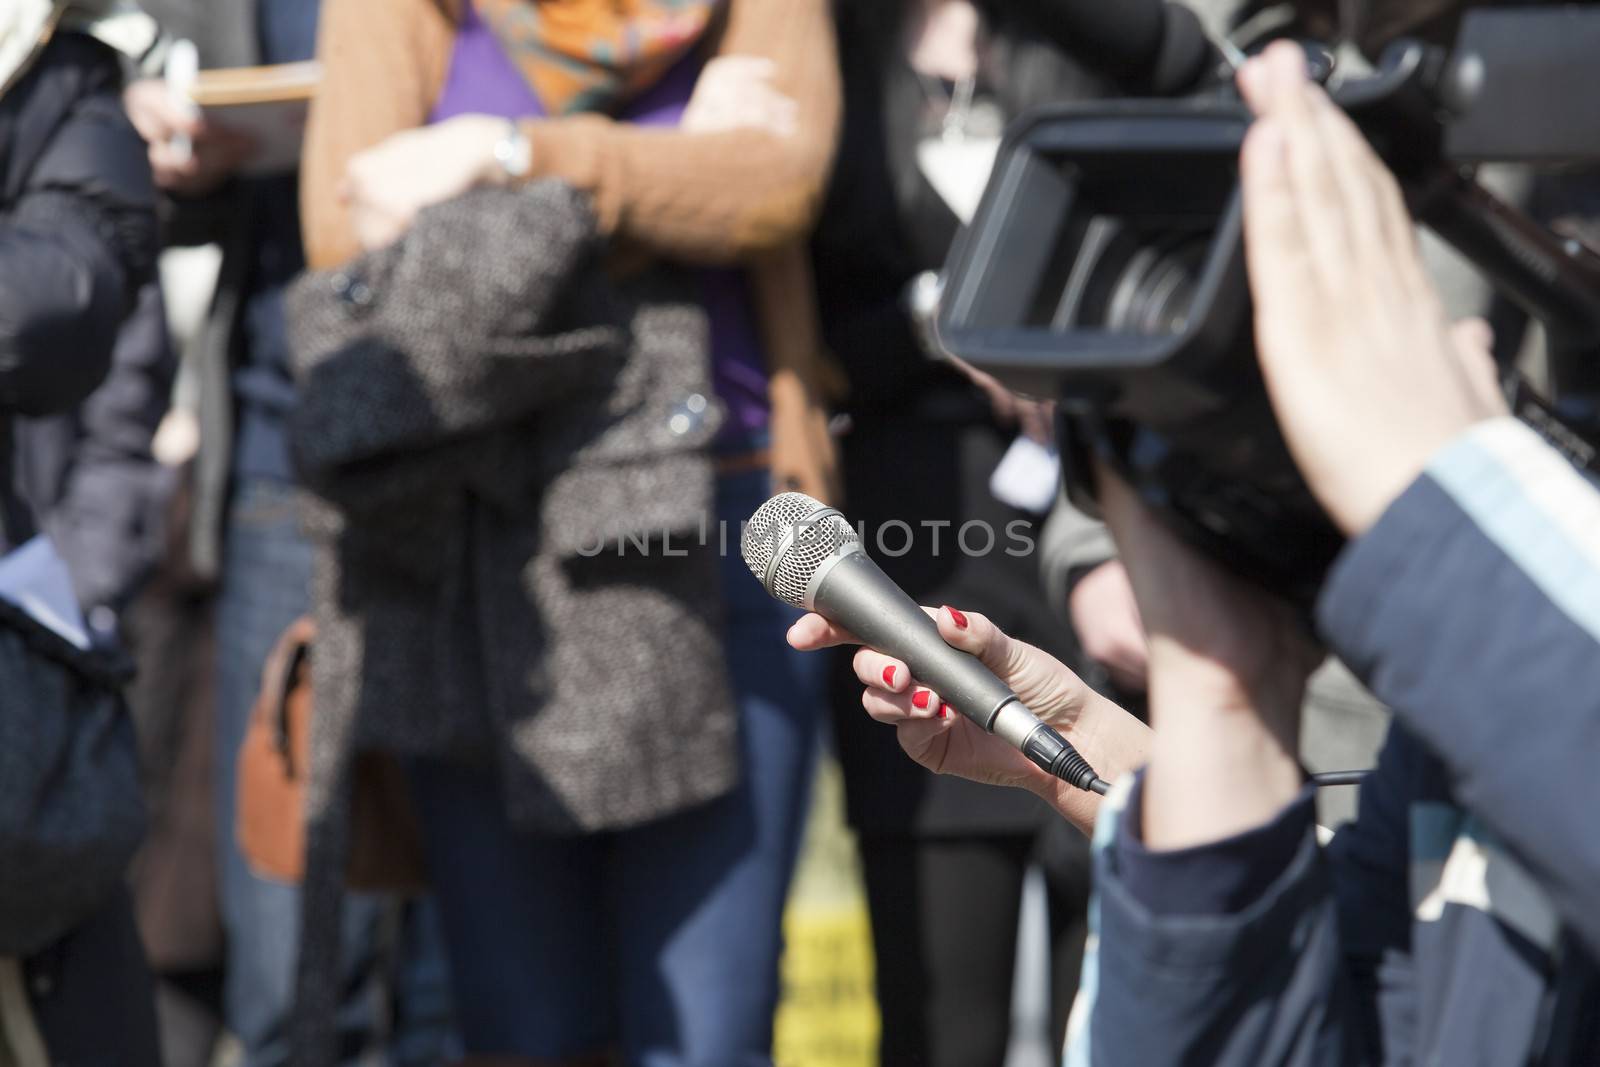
[(1114, 742), (1072, 804), (1213, 775)]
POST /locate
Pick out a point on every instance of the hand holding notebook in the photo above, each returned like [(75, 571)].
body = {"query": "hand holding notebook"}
[(204, 127), (266, 105)]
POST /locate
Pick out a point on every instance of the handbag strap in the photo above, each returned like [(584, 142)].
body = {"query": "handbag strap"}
[(278, 679)]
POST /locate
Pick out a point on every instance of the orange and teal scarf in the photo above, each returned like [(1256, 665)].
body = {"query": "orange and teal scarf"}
[(595, 55)]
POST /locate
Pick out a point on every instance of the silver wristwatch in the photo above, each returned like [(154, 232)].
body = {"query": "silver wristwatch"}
[(514, 152)]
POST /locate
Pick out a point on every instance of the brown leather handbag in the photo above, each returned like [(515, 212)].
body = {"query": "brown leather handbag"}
[(386, 843)]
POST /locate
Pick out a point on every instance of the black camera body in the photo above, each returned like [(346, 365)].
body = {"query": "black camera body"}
[(1105, 268)]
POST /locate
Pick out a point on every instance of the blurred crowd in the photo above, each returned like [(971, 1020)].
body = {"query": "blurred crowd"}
[(400, 495)]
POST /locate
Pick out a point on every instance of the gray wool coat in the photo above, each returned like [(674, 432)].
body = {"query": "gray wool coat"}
[(506, 457)]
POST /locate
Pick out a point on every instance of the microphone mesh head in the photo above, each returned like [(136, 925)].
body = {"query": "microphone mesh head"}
[(768, 525), (808, 534)]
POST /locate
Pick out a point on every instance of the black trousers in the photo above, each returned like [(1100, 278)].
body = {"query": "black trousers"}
[(91, 994), (944, 928)]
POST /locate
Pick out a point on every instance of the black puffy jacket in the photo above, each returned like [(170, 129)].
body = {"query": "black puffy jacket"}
[(77, 235)]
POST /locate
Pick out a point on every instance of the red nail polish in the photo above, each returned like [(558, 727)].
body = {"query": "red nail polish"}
[(888, 676), (956, 617), (944, 711), (919, 699)]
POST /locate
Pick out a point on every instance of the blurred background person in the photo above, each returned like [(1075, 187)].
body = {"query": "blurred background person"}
[(77, 242), (929, 88), (93, 479), (657, 930), (244, 535), (169, 630)]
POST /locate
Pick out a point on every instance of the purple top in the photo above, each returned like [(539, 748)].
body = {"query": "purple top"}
[(484, 81)]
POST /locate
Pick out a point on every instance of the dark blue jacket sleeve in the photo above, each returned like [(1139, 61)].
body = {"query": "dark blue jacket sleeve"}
[(1369, 867), (1473, 609), (1246, 977), (91, 476), (78, 237), (1260, 948)]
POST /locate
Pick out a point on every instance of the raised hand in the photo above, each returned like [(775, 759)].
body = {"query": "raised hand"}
[(213, 154), (1365, 375), (387, 185)]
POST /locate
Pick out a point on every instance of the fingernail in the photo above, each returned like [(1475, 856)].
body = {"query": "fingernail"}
[(956, 617), (919, 699), (944, 711), (888, 677)]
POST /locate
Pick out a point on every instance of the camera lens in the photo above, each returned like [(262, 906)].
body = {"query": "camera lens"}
[(1154, 292), (1130, 279)]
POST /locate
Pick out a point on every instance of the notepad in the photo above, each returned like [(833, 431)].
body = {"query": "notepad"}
[(1028, 476), (267, 104)]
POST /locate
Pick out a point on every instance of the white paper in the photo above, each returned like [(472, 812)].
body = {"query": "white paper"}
[(1028, 476), (959, 171), (35, 578)]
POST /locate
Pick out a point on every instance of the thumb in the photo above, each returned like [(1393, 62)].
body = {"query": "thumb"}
[(973, 633)]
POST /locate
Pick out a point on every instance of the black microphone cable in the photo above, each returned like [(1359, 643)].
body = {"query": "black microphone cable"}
[(1331, 778)]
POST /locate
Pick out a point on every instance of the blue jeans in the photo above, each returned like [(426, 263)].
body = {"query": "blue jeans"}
[(397, 987), (663, 939)]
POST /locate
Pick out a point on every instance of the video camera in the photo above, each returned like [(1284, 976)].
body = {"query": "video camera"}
[(1105, 266)]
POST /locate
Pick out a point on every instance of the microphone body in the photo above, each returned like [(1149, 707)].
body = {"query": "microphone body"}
[(818, 563)]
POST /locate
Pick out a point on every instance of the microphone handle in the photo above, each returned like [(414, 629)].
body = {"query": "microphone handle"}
[(854, 592)]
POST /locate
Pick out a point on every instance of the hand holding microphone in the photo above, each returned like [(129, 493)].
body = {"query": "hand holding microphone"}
[(1111, 739), (1011, 697)]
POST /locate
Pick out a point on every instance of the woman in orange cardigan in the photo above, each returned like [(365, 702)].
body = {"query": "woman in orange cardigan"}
[(703, 132)]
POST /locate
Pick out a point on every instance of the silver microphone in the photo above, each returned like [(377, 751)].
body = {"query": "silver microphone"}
[(807, 555)]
